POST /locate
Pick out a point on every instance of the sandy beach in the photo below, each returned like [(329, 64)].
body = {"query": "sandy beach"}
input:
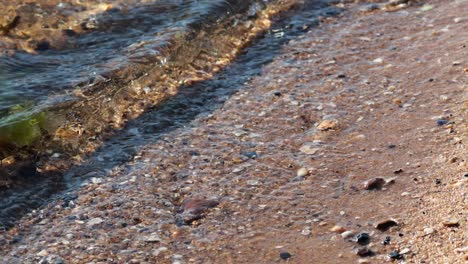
[(349, 146)]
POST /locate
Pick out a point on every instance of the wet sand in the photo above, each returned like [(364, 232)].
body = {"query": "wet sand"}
[(280, 171)]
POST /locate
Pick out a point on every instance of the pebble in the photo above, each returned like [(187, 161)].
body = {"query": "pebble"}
[(329, 124), (285, 255), (363, 238), (395, 255), (94, 221), (302, 172), (378, 60), (428, 231), (461, 250), (364, 252), (198, 205), (364, 261), (451, 222), (386, 224), (347, 234), (441, 122), (405, 251), (43, 253), (193, 208), (386, 241), (374, 184), (309, 149), (305, 232), (338, 229), (152, 238)]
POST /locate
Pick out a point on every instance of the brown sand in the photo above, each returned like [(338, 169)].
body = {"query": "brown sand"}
[(381, 79)]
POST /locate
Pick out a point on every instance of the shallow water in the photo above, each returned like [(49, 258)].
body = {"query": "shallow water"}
[(192, 101), (105, 42)]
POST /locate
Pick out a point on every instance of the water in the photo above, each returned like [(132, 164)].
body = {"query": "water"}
[(112, 39), (109, 51)]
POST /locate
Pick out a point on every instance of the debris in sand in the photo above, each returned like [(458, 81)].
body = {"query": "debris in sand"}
[(194, 208), (374, 184), (347, 234), (451, 222), (285, 255), (328, 124), (386, 224), (365, 252), (337, 229), (363, 238), (302, 172), (395, 255)]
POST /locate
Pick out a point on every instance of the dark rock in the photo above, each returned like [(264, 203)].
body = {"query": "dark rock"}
[(341, 76), (43, 45), (441, 122), (398, 171), (391, 146), (386, 224), (395, 255), (386, 241), (285, 255), (363, 238), (365, 252), (374, 184), (277, 94), (250, 154), (194, 208)]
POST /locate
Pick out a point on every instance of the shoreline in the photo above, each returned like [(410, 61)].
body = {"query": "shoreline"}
[(281, 169)]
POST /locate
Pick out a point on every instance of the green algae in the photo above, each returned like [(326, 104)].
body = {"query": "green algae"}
[(21, 127)]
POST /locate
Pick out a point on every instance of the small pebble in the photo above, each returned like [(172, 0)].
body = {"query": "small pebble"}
[(405, 251), (441, 122), (386, 241), (364, 252), (302, 172), (428, 231), (395, 255), (451, 222), (338, 229), (94, 221), (43, 253), (152, 238), (363, 238), (329, 124), (374, 184), (285, 255), (386, 224), (347, 234)]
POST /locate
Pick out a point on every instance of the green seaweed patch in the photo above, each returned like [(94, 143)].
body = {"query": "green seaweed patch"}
[(22, 128)]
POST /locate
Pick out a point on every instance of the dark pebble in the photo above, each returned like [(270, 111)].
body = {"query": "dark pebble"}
[(391, 146), (466, 175), (341, 76), (398, 171), (43, 45), (395, 255), (441, 122), (277, 94), (251, 154), (194, 153), (438, 181), (385, 225), (285, 255), (374, 184), (363, 238), (387, 240), (365, 252)]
